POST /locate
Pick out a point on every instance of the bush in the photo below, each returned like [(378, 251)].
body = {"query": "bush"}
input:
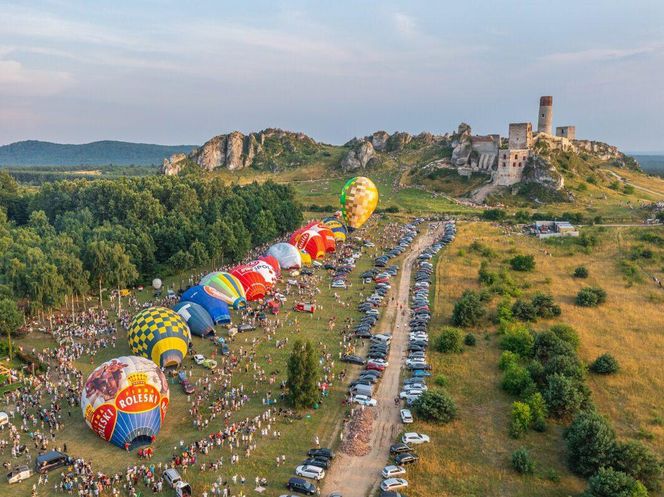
[(494, 215), (565, 396), (538, 411), (604, 364), (581, 272), (544, 305), (522, 262), (591, 443), (450, 340), (520, 419), (517, 381), (639, 462), (504, 312), (469, 309), (522, 462), (608, 482), (518, 339), (438, 407), (486, 276), (441, 380), (567, 365), (470, 340), (524, 311), (548, 344), (507, 359), (567, 334), (590, 297)]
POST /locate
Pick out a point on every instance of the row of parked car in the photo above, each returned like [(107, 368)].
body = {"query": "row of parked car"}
[(415, 385)]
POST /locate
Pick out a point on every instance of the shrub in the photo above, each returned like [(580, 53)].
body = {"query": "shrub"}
[(504, 312), (524, 311), (486, 276), (590, 297), (544, 305), (470, 340), (567, 334), (547, 344), (522, 262), (507, 359), (639, 462), (536, 370), (494, 214), (565, 396), (581, 272), (517, 381), (518, 339), (441, 380), (469, 309), (591, 443), (520, 419), (604, 364), (566, 365), (538, 411), (522, 462), (438, 407), (608, 482), (450, 340)]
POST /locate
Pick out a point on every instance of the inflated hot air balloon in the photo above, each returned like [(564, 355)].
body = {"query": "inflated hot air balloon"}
[(266, 270), (198, 319), (306, 258), (159, 334), (328, 237), (310, 241), (209, 299), (125, 400), (359, 198), (337, 228), (156, 284), (228, 286), (255, 286), (273, 262), (288, 255)]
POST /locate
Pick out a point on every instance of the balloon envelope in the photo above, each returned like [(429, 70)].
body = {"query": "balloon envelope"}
[(359, 198), (228, 286), (310, 241), (328, 237), (286, 254), (337, 228), (273, 262), (156, 283), (268, 273), (210, 300), (198, 319), (159, 334), (255, 286)]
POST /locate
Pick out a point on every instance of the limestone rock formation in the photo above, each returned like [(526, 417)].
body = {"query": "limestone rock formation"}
[(174, 164), (379, 140), (539, 170), (359, 156)]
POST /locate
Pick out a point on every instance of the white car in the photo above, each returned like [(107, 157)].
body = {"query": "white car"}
[(381, 362), (415, 360), (392, 471), (415, 438), (313, 472), (393, 484), (406, 416), (199, 358), (415, 386), (410, 393), (18, 474), (364, 400)]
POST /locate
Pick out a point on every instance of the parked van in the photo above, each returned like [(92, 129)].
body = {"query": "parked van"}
[(48, 461), (361, 389)]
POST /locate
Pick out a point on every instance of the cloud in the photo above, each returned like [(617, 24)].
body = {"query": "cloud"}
[(405, 24), (601, 54), (18, 80)]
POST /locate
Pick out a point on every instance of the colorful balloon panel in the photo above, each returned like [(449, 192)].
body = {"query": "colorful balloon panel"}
[(211, 300), (359, 198), (125, 400), (273, 262), (228, 286), (255, 286), (197, 318), (159, 334), (337, 228), (268, 273), (286, 254), (310, 241)]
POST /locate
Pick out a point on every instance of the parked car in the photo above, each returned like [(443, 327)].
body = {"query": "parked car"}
[(392, 471), (415, 438), (313, 472), (353, 359), (301, 486), (406, 458), (51, 460), (399, 448), (322, 452), (321, 462), (406, 416), (18, 474), (364, 400), (187, 387), (393, 484), (199, 358)]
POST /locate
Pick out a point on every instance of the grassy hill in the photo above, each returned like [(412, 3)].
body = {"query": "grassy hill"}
[(40, 153)]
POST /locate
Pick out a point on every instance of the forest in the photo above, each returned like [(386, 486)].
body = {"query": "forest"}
[(74, 236)]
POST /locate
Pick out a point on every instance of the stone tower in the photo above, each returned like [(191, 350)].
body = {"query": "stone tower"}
[(545, 117)]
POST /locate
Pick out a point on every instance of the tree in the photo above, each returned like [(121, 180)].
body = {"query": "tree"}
[(520, 419), (302, 375), (109, 264), (522, 263), (590, 297), (10, 319), (538, 411), (494, 215), (639, 462), (517, 381), (450, 340), (524, 311), (591, 443), (518, 339), (468, 310), (438, 407), (544, 305), (522, 462), (567, 334), (565, 396), (608, 482), (605, 364), (581, 272)]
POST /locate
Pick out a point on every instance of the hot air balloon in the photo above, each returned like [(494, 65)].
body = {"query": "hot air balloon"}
[(310, 241), (359, 198), (156, 283), (337, 228), (228, 286), (266, 270), (328, 237), (288, 255), (125, 400), (273, 262), (255, 286), (159, 334), (306, 258), (209, 299), (198, 319)]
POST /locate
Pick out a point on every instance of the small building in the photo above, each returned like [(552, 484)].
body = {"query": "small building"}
[(552, 229), (568, 132)]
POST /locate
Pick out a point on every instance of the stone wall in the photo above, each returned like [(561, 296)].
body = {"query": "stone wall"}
[(520, 135)]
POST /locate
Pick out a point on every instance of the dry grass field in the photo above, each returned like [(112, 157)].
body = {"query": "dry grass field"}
[(471, 456)]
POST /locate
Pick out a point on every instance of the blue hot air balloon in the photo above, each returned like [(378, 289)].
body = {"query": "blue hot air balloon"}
[(211, 300), (199, 321)]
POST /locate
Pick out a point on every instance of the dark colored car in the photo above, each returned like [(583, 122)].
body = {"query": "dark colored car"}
[(405, 458), (48, 461), (353, 359), (301, 486), (323, 452), (399, 448), (319, 462)]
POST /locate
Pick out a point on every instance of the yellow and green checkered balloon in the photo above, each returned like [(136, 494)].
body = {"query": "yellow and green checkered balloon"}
[(359, 198), (159, 334)]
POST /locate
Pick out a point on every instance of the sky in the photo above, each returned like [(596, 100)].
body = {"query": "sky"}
[(176, 72)]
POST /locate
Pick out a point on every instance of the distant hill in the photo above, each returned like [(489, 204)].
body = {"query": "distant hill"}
[(653, 164), (40, 153)]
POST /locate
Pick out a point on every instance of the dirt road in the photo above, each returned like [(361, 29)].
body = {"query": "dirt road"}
[(355, 476)]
